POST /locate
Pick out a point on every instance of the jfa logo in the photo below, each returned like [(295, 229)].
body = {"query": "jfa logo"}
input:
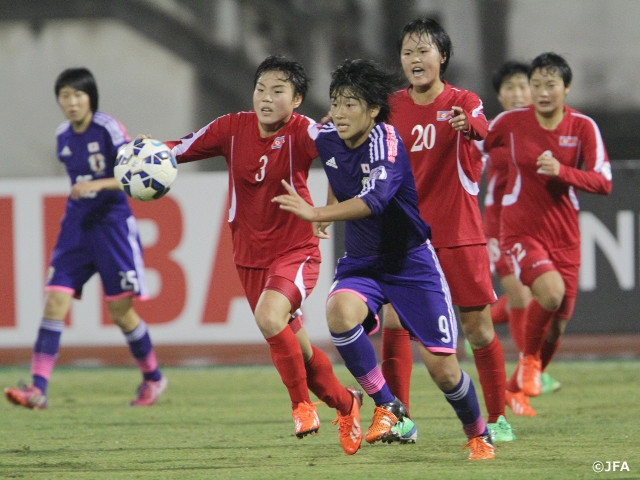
[(278, 142), (610, 466)]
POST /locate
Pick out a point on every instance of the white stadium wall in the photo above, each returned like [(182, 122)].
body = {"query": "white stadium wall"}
[(197, 304), (196, 297)]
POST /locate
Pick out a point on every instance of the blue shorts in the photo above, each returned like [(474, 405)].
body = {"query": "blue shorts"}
[(111, 249), (415, 287)]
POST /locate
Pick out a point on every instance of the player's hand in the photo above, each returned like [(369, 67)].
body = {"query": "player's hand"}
[(83, 190), (326, 119), (459, 120), (294, 203), (320, 229), (547, 165)]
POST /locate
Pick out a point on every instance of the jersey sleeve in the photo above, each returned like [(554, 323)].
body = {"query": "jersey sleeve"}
[(474, 110), (384, 180), (595, 175), (495, 134), (207, 142)]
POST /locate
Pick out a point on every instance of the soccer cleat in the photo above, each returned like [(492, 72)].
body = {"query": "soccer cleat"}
[(528, 376), (501, 431), (481, 448), (549, 384), (148, 392), (306, 419), (26, 395), (519, 404), (349, 431), (405, 431), (385, 416)]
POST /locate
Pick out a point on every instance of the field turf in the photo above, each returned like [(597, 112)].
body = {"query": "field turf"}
[(235, 423)]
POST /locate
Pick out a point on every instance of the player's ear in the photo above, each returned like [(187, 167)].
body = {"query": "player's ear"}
[(297, 100)]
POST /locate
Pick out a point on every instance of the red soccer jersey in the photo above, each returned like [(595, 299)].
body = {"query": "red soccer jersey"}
[(537, 205), (496, 171), (447, 174), (259, 228)]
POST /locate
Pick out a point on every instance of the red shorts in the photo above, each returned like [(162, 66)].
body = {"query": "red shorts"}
[(501, 264), (294, 275), (531, 258), (468, 274)]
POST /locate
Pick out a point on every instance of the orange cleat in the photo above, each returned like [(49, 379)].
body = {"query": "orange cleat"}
[(26, 395), (385, 416), (306, 419), (529, 372), (349, 430), (519, 404), (480, 448), (148, 392)]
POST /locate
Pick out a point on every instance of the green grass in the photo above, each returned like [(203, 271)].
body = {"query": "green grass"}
[(234, 422)]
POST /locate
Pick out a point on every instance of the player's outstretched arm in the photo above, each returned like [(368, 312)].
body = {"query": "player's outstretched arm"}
[(351, 209)]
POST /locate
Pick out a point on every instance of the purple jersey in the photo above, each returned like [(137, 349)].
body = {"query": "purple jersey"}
[(91, 155), (97, 233), (389, 258), (378, 172)]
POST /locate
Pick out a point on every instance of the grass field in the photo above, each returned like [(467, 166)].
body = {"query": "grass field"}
[(235, 423)]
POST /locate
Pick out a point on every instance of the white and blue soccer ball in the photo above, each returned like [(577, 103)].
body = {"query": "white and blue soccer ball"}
[(145, 169)]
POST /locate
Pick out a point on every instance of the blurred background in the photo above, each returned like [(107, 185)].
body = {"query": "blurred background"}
[(168, 67)]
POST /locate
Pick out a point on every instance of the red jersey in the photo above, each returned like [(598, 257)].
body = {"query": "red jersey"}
[(447, 174), (496, 166), (260, 229), (536, 205)]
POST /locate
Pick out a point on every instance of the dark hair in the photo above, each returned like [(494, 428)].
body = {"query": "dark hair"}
[(293, 71), (508, 70), (80, 79), (365, 80), (552, 63), (434, 31)]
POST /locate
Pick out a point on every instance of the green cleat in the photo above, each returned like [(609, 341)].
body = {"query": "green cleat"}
[(405, 431), (501, 431), (549, 384)]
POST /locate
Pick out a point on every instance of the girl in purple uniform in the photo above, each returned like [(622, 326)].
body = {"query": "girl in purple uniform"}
[(98, 234), (389, 257)]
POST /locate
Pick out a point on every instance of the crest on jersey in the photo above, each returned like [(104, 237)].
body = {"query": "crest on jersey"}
[(365, 168), (278, 142), (444, 115), (568, 141)]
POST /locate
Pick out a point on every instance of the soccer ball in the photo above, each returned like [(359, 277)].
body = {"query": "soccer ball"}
[(145, 169)]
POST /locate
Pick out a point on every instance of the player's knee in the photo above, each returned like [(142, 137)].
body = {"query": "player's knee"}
[(446, 378), (551, 300)]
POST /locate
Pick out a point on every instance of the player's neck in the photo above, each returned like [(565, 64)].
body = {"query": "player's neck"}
[(426, 94), (269, 129), (82, 125), (550, 121)]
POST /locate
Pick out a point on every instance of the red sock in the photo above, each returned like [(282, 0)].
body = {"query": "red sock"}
[(397, 362), (493, 378), (324, 384), (537, 324), (517, 319), (286, 356), (499, 312), (547, 352)]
